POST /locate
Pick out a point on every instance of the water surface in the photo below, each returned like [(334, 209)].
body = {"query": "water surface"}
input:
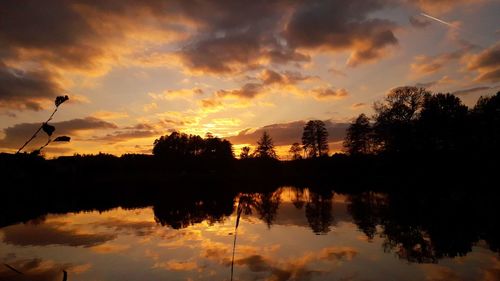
[(288, 234)]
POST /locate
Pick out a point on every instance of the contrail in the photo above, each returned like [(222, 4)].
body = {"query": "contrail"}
[(436, 19)]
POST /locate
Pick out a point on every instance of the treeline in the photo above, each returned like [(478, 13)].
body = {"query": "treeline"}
[(412, 120)]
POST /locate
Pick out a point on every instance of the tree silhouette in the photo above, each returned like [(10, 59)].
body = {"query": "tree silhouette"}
[(441, 124), (486, 123), (358, 139), (315, 138), (395, 117), (295, 151), (245, 152), (178, 146), (265, 147)]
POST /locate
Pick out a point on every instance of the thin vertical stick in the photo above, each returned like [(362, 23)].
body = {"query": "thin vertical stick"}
[(238, 212)]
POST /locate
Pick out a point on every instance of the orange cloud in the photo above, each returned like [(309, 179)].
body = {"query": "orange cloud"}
[(487, 63)]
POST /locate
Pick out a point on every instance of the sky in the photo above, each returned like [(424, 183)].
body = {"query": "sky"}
[(136, 70)]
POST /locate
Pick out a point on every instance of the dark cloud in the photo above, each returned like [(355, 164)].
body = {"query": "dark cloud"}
[(342, 25), (419, 21), (329, 93), (288, 133), (269, 77), (26, 89), (45, 234), (248, 91), (487, 63), (237, 51), (16, 135)]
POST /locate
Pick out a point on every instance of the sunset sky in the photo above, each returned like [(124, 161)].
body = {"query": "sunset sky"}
[(136, 70)]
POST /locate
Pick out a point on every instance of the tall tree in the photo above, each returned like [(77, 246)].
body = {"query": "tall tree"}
[(295, 151), (359, 136), (265, 147), (486, 118), (442, 123), (395, 117), (315, 138)]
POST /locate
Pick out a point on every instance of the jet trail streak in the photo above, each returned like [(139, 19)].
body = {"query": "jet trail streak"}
[(436, 19)]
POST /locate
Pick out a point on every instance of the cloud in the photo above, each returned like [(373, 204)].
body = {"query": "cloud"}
[(138, 131), (358, 105), (442, 6), (337, 72), (270, 77), (44, 234), (110, 115), (424, 65), (41, 41), (444, 80), (180, 93), (487, 63), (473, 90), (16, 135), (247, 91), (125, 135), (342, 26), (26, 89), (329, 93), (287, 133), (419, 21), (237, 52)]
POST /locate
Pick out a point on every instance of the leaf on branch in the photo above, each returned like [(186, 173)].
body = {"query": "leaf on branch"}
[(49, 129), (60, 99), (62, 139)]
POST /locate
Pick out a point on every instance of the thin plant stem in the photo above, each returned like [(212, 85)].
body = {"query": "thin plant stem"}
[(37, 131), (238, 212)]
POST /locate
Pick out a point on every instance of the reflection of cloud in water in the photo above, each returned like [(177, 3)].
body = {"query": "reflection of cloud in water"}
[(110, 248), (139, 228), (299, 268), (39, 270), (177, 265), (45, 234)]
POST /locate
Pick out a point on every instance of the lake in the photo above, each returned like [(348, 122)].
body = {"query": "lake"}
[(286, 234)]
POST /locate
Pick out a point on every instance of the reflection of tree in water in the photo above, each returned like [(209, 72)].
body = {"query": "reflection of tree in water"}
[(408, 242), (182, 213), (424, 228), (319, 212), (299, 198), (364, 208), (267, 204)]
